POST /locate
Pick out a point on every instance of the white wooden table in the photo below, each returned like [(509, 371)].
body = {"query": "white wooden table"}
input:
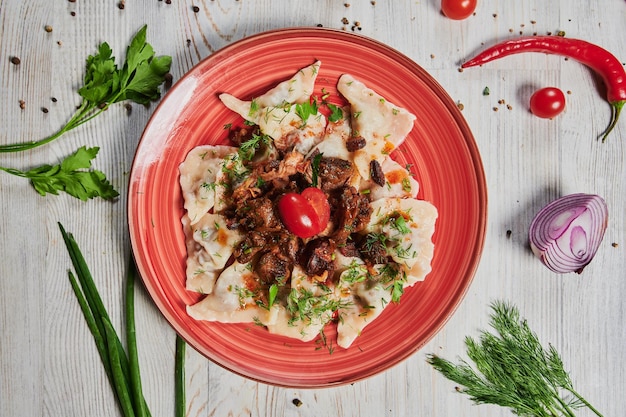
[(48, 363)]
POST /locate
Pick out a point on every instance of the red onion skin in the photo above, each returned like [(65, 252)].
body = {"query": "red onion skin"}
[(566, 234)]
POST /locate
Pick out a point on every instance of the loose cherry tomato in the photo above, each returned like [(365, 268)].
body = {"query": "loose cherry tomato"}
[(547, 102), (319, 202), (458, 9)]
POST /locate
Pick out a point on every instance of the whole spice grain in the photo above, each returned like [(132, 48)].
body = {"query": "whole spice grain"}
[(15, 60), (22, 104), (48, 28), (167, 80), (195, 9)]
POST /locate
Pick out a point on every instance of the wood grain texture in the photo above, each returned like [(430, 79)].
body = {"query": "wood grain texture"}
[(48, 363)]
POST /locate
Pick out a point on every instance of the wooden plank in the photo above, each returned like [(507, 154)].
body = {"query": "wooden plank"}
[(48, 363)]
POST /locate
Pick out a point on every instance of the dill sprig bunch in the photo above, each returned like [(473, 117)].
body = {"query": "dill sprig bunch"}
[(512, 369)]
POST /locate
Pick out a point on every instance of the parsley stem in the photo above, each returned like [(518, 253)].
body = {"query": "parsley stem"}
[(78, 119), (14, 171), (18, 147)]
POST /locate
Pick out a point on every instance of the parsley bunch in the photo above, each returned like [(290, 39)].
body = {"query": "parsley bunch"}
[(71, 176), (137, 80), (514, 370)]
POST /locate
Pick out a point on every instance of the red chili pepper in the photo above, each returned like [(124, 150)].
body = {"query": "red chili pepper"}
[(595, 57)]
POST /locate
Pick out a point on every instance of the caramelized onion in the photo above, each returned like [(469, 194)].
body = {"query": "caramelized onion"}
[(566, 233)]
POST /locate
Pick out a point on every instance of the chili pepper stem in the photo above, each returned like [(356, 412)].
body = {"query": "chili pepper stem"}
[(616, 109)]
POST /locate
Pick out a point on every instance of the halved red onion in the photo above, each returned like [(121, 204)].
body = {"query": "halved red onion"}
[(566, 233)]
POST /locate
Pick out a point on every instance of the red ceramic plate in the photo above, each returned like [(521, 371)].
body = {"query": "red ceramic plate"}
[(441, 149)]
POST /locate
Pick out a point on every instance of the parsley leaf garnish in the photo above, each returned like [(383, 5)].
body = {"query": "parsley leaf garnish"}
[(305, 110), (336, 113), (72, 176), (271, 296)]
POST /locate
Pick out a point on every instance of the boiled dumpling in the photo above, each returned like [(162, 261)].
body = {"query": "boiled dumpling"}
[(278, 115), (199, 180), (382, 124)]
